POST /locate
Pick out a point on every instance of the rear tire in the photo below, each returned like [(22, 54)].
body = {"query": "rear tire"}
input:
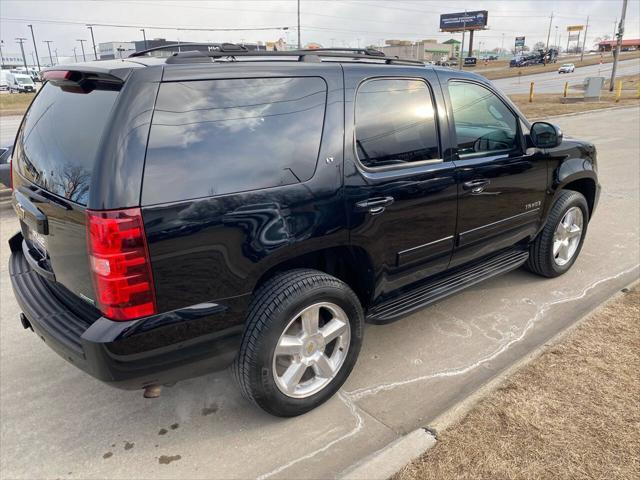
[(275, 315), (555, 249)]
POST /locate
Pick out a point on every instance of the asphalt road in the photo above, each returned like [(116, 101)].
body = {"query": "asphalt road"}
[(8, 128), (59, 423), (553, 82)]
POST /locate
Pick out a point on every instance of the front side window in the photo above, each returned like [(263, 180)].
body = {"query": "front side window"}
[(395, 123), (483, 122)]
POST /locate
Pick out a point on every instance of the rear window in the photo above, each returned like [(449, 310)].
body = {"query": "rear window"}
[(215, 137), (58, 142)]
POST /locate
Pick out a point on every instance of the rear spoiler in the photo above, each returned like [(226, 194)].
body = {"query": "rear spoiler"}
[(76, 81)]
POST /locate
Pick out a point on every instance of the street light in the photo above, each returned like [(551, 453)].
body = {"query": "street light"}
[(93, 41), (34, 46), (144, 36), (74, 54), (84, 57), (1, 57)]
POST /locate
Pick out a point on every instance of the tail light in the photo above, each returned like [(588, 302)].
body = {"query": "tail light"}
[(119, 263)]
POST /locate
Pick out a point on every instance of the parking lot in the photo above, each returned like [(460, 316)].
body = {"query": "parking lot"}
[(59, 423)]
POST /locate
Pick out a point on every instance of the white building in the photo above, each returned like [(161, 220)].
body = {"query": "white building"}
[(111, 50)]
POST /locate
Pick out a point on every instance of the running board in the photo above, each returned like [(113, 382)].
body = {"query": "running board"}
[(427, 293)]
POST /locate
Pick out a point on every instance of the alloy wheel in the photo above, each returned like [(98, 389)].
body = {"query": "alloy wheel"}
[(566, 238), (311, 350)]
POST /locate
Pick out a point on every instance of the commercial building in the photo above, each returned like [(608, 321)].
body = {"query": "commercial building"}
[(12, 60), (608, 45), (425, 50), (111, 50)]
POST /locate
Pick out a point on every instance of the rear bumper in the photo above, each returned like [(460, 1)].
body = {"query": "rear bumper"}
[(161, 349)]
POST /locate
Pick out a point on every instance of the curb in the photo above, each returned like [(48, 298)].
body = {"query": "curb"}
[(389, 460), (585, 112), (384, 463)]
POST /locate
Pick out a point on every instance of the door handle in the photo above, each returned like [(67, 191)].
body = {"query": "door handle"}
[(476, 186), (374, 205)]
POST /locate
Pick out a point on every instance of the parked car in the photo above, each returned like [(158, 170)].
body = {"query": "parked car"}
[(256, 213), (20, 83), (5, 165), (567, 68), (4, 85)]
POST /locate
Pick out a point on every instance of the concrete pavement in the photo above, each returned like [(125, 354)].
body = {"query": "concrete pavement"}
[(59, 423), (553, 82)]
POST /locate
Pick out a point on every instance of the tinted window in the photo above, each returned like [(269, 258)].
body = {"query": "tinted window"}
[(59, 140), (395, 123), (483, 122), (222, 136)]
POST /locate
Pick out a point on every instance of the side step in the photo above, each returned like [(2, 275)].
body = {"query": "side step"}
[(427, 293)]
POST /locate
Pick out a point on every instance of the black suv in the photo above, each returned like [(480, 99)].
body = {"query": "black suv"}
[(255, 209)]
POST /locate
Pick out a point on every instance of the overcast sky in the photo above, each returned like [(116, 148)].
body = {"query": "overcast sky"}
[(330, 23)]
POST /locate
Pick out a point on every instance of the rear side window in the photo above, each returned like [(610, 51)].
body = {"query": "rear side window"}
[(395, 123), (216, 137), (59, 139)]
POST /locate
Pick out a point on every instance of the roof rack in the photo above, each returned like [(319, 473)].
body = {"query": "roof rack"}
[(232, 52), (220, 47)]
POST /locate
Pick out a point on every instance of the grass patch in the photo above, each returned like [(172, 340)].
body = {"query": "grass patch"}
[(15, 104), (549, 104), (572, 413)]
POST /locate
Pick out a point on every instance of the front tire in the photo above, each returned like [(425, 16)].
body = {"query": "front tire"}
[(303, 336), (558, 245)]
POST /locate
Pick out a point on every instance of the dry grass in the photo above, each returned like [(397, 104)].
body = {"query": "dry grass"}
[(549, 104), (572, 413), (15, 104), (552, 67)]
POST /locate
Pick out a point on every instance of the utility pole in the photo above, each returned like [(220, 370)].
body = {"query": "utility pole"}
[(74, 54), (618, 45), (556, 41), (144, 37), (57, 58), (93, 41), (299, 42), (549, 32), (464, 29), (502, 45), (49, 42), (34, 47), (584, 40), (21, 40), (1, 57), (84, 57)]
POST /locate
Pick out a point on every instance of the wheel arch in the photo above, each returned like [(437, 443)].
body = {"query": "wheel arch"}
[(350, 264), (573, 176)]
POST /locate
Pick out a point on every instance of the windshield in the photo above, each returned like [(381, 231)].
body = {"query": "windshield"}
[(568, 65), (24, 81), (58, 142)]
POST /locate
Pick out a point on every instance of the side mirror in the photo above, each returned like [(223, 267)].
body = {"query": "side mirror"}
[(545, 135)]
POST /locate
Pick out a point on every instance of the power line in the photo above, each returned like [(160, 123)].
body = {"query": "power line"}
[(150, 27)]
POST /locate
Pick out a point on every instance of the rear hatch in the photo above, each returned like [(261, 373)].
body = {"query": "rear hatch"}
[(53, 164)]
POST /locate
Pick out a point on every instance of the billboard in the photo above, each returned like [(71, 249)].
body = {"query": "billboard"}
[(519, 41), (452, 22), (575, 28)]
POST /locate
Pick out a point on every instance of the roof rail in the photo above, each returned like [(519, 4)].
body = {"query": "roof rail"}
[(187, 47), (311, 55)]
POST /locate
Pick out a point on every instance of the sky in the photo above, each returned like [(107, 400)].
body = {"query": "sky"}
[(339, 23)]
